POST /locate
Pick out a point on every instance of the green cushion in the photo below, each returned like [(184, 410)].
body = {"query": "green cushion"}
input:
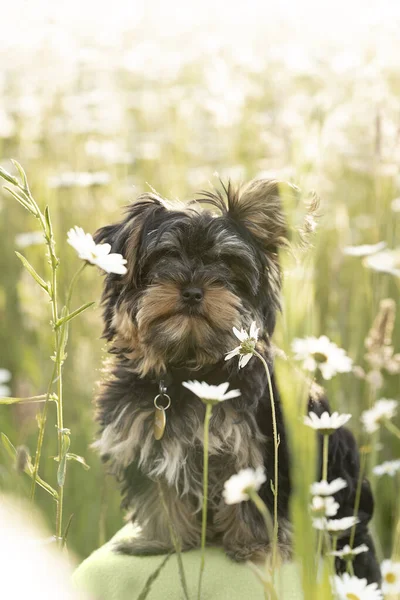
[(106, 575)]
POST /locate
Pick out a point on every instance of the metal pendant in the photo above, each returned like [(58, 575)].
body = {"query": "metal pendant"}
[(160, 421)]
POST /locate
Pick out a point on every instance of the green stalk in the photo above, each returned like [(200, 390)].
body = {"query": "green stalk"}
[(358, 497), (392, 428), (325, 449), (205, 495), (176, 542), (276, 446)]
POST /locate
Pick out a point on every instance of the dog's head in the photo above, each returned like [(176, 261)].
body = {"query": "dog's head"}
[(193, 275)]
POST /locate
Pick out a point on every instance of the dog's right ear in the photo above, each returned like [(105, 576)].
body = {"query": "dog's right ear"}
[(126, 237)]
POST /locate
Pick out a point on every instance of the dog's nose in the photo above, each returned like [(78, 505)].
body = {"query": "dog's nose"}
[(192, 295)]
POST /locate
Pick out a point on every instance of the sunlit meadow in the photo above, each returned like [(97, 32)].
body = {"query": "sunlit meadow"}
[(98, 107)]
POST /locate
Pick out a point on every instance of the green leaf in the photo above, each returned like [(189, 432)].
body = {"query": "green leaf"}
[(8, 177), (31, 399), (21, 172), (78, 459), (74, 314), (21, 200), (9, 447), (32, 271), (49, 226), (62, 468)]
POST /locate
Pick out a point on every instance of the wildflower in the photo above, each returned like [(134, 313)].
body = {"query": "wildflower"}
[(387, 261), (384, 409), (364, 250), (211, 393), (237, 488), (348, 553), (23, 240), (326, 423), (389, 467), (349, 587), (395, 205), (323, 488), (248, 344), (5, 376), (335, 526), (96, 254), (390, 577), (324, 506), (320, 353), (79, 179)]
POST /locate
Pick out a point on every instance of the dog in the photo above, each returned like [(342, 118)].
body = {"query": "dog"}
[(191, 276)]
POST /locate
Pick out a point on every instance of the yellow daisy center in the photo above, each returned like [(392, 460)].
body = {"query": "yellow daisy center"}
[(390, 577), (351, 596)]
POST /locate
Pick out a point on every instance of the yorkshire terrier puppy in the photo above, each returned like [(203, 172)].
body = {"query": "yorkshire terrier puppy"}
[(192, 276)]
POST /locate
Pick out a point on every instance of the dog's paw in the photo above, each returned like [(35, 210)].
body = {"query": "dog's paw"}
[(255, 553), (140, 547)]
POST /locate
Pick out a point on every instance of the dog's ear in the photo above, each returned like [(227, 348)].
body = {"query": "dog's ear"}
[(126, 236), (258, 207)]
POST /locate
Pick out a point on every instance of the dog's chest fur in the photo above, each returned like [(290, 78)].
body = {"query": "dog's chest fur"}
[(235, 441)]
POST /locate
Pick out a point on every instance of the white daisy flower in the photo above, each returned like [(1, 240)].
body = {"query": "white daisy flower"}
[(389, 467), (320, 353), (335, 526), (324, 506), (5, 376), (211, 393), (248, 344), (364, 250), (237, 487), (348, 553), (96, 254), (395, 205), (326, 423), (323, 488), (390, 577), (383, 409), (387, 261), (349, 587), (23, 240)]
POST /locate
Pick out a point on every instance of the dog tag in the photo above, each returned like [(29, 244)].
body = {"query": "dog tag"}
[(160, 422)]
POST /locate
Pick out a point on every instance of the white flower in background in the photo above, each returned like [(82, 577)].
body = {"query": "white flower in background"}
[(395, 205), (335, 526), (5, 377), (23, 240), (96, 254), (326, 423), (237, 488), (348, 553), (387, 261), (79, 179), (248, 344), (211, 393), (383, 409), (389, 467), (323, 488), (349, 587), (324, 506), (320, 353), (390, 577), (364, 250)]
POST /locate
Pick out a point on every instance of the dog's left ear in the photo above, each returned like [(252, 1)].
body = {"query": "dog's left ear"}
[(259, 207)]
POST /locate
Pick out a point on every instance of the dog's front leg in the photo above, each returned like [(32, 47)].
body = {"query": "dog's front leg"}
[(242, 531), (158, 511)]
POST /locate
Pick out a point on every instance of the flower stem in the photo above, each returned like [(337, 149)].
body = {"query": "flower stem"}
[(325, 448), (358, 497), (276, 446), (205, 495), (392, 428)]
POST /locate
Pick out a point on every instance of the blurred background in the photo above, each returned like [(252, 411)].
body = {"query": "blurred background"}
[(100, 100)]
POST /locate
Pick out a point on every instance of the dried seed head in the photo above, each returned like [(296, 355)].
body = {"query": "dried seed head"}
[(381, 331)]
